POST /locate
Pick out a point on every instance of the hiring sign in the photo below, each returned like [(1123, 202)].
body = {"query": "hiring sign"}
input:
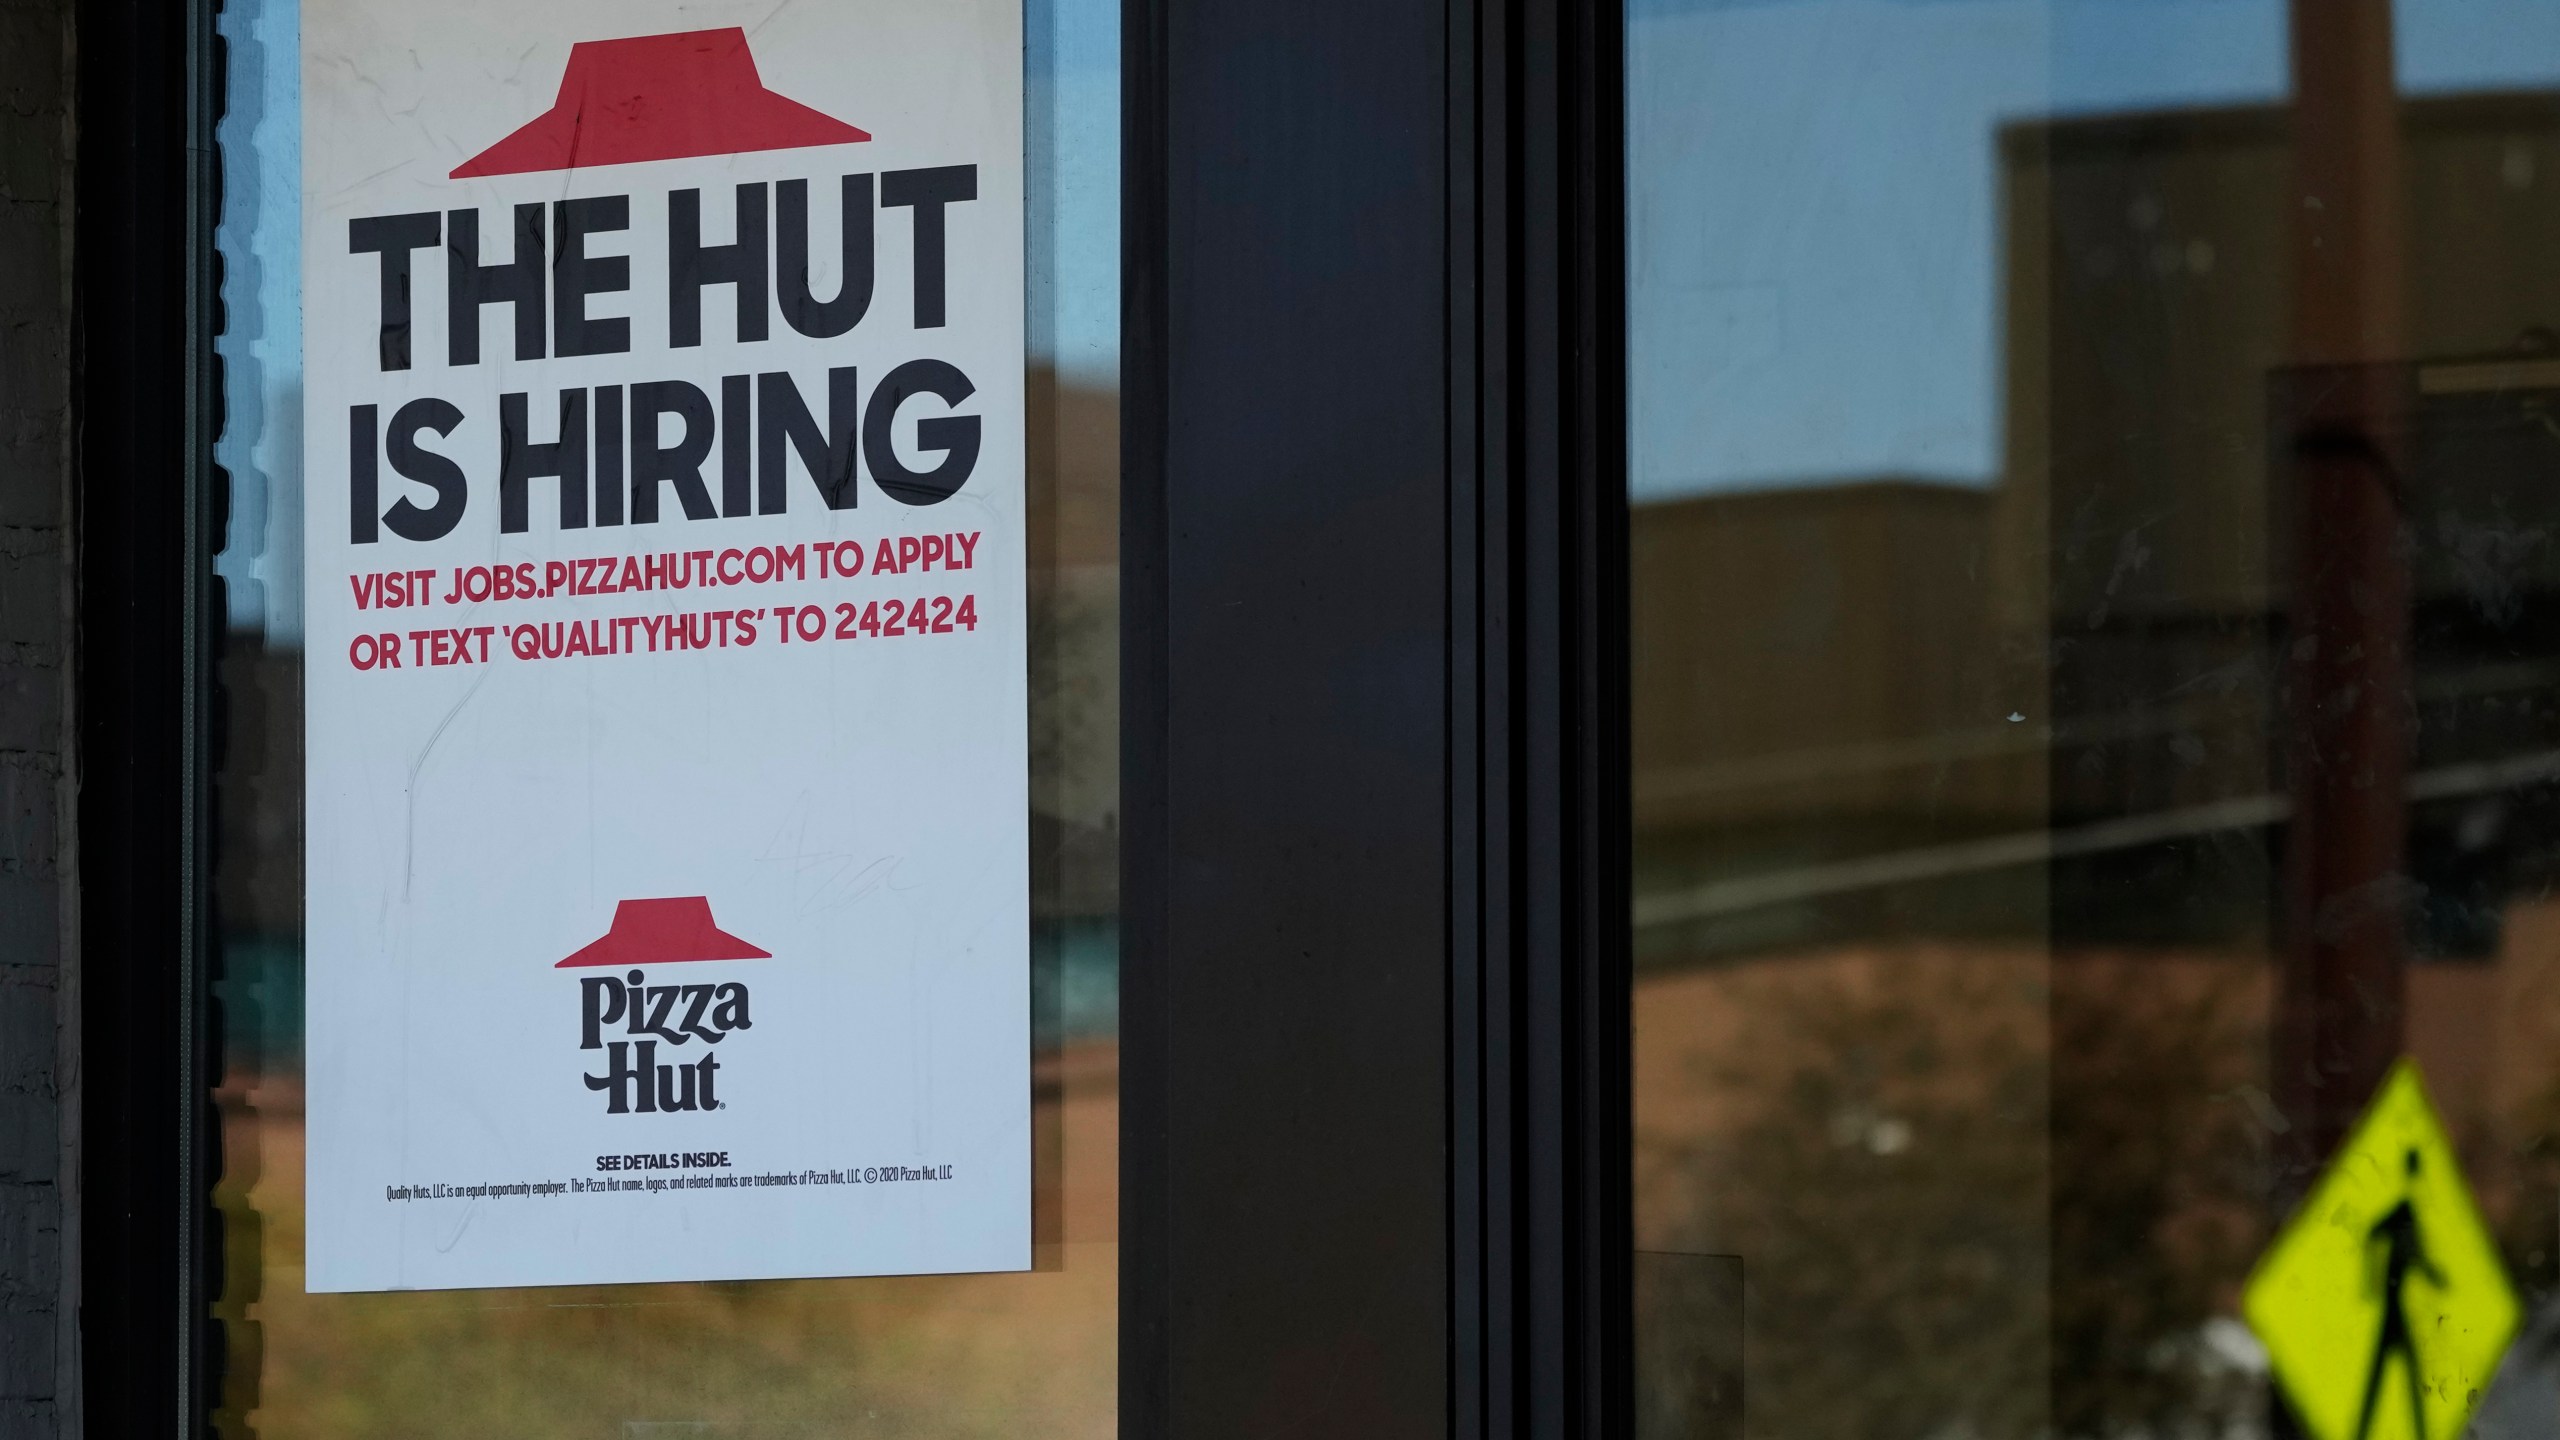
[(667, 891)]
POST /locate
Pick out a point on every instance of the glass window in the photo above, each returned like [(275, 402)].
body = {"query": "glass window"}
[(2095, 614), (949, 1356)]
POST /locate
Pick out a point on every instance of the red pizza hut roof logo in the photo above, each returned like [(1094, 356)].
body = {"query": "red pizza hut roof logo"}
[(663, 932), (658, 97)]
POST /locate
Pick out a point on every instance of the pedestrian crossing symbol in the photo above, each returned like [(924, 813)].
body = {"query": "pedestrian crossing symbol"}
[(2383, 1304)]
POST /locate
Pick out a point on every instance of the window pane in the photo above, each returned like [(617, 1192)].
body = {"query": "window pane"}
[(972, 1355), (2094, 622)]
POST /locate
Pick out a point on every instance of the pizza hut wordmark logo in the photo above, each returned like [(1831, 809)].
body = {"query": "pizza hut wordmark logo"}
[(671, 931)]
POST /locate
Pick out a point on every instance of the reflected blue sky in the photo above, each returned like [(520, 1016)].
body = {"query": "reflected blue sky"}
[(1071, 123), (1813, 227), (1074, 80), (259, 235)]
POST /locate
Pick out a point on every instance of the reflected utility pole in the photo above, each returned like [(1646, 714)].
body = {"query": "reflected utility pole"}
[(2338, 1015)]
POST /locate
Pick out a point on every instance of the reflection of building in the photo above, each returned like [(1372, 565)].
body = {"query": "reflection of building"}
[(1814, 652), (1848, 660), (1987, 781)]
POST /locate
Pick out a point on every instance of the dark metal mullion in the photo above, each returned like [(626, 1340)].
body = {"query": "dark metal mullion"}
[(1146, 1269), (1477, 1340), (1287, 1215), (1550, 842), (1491, 292), (199, 1128), (1592, 204), (1533, 707), (141, 261), (1551, 1116)]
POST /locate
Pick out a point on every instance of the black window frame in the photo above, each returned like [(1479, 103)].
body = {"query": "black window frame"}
[(146, 397), (1372, 358), (1375, 1115)]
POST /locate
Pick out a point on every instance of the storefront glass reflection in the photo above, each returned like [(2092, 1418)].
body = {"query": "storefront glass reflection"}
[(938, 1356), (2093, 602)]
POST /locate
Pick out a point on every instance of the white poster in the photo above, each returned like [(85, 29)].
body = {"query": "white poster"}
[(668, 878)]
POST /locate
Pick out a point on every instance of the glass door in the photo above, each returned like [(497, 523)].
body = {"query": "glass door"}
[(992, 1354), (2095, 617)]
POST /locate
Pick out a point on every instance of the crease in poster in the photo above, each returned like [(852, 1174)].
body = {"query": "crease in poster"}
[(665, 708)]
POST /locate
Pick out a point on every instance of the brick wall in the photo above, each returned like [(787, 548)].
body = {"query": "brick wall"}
[(38, 1396)]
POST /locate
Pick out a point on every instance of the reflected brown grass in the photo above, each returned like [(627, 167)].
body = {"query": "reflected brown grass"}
[(1866, 1129), (932, 1356), (1999, 1192)]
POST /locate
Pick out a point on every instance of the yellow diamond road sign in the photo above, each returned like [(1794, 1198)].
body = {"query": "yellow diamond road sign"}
[(2383, 1304)]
